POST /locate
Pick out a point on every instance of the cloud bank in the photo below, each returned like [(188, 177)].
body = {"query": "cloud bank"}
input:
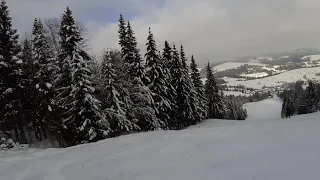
[(212, 30)]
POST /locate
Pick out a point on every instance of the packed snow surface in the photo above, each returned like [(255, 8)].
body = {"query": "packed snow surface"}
[(264, 147)]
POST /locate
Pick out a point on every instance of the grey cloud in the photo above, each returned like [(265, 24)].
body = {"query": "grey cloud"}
[(212, 30)]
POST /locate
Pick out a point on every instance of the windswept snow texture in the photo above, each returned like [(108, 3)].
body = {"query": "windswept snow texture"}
[(264, 147)]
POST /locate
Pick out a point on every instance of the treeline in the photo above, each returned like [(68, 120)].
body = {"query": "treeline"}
[(297, 100), (59, 91)]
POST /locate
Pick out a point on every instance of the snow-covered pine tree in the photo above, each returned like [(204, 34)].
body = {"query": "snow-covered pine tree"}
[(159, 83), (311, 97), (133, 57), (43, 61), (84, 121), (143, 108), (167, 56), (10, 72), (30, 95), (112, 104), (197, 83), (183, 57), (167, 67), (215, 105), (184, 99), (122, 33)]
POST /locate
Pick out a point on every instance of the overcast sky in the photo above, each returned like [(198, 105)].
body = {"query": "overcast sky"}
[(212, 30)]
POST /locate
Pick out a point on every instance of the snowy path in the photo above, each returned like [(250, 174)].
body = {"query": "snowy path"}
[(269, 109), (264, 149)]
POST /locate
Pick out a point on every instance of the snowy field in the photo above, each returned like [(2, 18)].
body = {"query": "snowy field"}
[(234, 65), (312, 57), (236, 93), (279, 79), (264, 147)]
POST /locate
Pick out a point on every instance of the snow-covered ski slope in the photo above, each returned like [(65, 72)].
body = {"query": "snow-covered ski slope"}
[(264, 147)]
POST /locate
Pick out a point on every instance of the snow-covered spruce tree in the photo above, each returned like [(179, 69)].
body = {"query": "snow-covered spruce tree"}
[(311, 97), (143, 108), (183, 58), (167, 56), (10, 72), (197, 83), (195, 101), (133, 57), (112, 104), (185, 110), (159, 84), (215, 105), (166, 63), (30, 95), (122, 33), (43, 60), (83, 120)]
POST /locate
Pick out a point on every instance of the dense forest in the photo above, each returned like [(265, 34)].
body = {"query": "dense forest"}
[(52, 88), (298, 100)]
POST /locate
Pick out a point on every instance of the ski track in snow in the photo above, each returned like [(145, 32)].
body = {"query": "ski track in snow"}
[(263, 147)]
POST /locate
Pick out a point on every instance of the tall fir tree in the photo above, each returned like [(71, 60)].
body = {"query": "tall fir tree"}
[(30, 94), (43, 61), (198, 85), (215, 105), (185, 97), (84, 121), (167, 55), (159, 83), (10, 72), (122, 33), (311, 97), (112, 104), (133, 57), (183, 57)]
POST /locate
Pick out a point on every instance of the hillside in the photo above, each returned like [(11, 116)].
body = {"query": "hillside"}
[(270, 73), (279, 79), (263, 147)]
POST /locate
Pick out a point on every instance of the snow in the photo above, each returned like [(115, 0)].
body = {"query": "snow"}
[(227, 65), (235, 93), (234, 65), (255, 75), (264, 147), (279, 79), (312, 57), (48, 85)]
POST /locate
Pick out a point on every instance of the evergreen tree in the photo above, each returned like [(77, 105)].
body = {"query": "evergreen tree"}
[(83, 121), (133, 57), (215, 105), (10, 72), (197, 83), (43, 61), (122, 33), (167, 55), (112, 104), (184, 99), (159, 83), (311, 97), (30, 95), (143, 108), (183, 58)]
